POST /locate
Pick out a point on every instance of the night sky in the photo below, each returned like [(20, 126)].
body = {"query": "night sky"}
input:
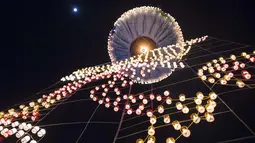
[(41, 41)]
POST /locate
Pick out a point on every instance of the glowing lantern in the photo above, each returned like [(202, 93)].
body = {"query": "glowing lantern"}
[(240, 83), (141, 106), (223, 81), (197, 101), (35, 129), (176, 125), (182, 97), (246, 74), (138, 111), (20, 133), (227, 77), (204, 68), (212, 95), (141, 96), (151, 139), (139, 141), (33, 141), (217, 75), (211, 79), (167, 93), (107, 104), (167, 119), (211, 70), (41, 133), (203, 77), (153, 120), (161, 109), (212, 103), (209, 108), (149, 113), (235, 67), (200, 95), (195, 118), (152, 97), (200, 108), (151, 130), (159, 98), (209, 117), (117, 99), (185, 131), (252, 59), (129, 111), (145, 101), (115, 103), (170, 140), (116, 108), (25, 139), (185, 109), (179, 106), (27, 127), (242, 65), (101, 101), (233, 57), (169, 100)]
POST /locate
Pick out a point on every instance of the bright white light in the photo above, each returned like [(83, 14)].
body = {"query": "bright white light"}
[(75, 9), (144, 49)]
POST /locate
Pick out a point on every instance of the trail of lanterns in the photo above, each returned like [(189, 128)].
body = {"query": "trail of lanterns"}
[(223, 70)]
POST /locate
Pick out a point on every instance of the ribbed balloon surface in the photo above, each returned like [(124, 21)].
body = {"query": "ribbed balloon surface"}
[(148, 22)]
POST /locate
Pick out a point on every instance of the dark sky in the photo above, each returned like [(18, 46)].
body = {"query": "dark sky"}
[(41, 41)]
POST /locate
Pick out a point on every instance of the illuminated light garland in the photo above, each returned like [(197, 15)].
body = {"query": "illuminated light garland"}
[(130, 70), (227, 70)]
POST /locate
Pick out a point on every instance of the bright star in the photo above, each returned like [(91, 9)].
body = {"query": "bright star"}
[(75, 9)]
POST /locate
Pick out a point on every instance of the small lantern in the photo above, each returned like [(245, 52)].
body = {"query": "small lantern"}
[(212, 95), (211, 79), (161, 109), (138, 111), (153, 120), (217, 75), (195, 118), (129, 111), (200, 108), (152, 96), (212, 103), (159, 98), (209, 117), (200, 95), (151, 130), (139, 141), (141, 106), (149, 113), (185, 131), (166, 119), (209, 108), (182, 97), (170, 140), (179, 106), (240, 83), (197, 101), (185, 109), (176, 125), (169, 100), (167, 93), (151, 139), (145, 101)]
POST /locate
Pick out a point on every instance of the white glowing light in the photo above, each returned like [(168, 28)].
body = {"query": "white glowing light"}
[(75, 9), (144, 49)]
